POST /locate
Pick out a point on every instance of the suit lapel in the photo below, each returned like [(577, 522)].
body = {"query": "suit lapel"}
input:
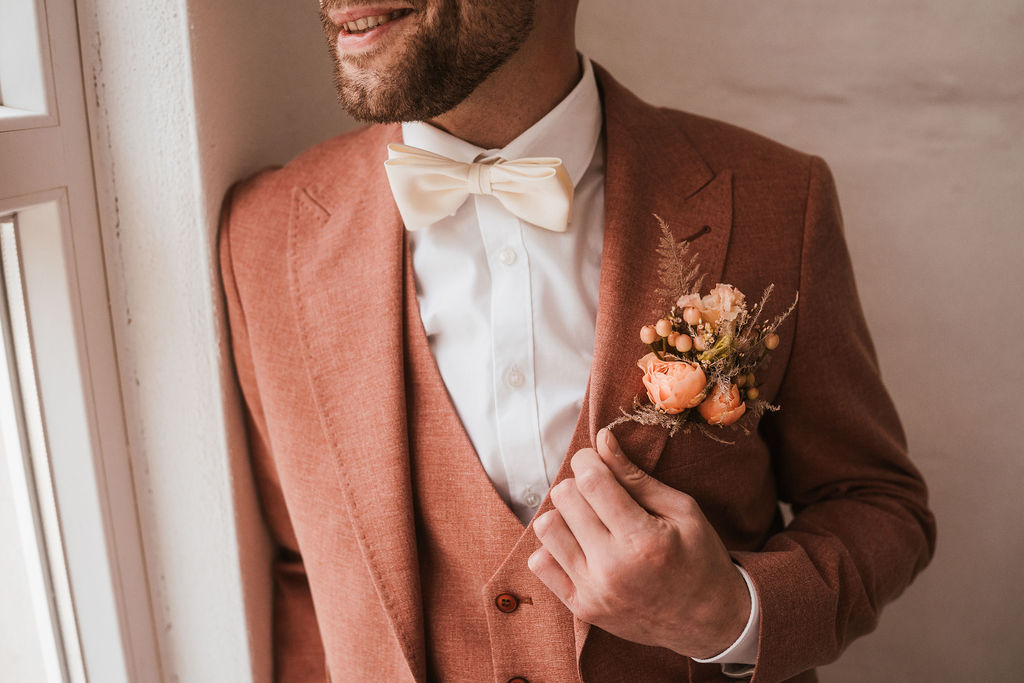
[(650, 168), (345, 269)]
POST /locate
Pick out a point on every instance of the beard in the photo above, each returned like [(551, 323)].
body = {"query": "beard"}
[(435, 65)]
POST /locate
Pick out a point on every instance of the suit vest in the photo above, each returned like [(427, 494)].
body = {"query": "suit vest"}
[(486, 616)]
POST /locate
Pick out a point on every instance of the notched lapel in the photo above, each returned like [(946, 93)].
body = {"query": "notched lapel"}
[(650, 168), (345, 257)]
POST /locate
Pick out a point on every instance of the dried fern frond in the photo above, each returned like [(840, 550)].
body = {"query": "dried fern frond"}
[(752, 337), (781, 317), (710, 433), (755, 313), (678, 271), (648, 415)]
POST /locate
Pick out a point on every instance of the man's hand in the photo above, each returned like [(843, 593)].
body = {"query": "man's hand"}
[(637, 558)]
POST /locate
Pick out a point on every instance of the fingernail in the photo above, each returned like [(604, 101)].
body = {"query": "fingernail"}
[(611, 443), (532, 562), (541, 523)]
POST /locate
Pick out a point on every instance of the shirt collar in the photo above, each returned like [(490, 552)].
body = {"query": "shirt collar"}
[(570, 132)]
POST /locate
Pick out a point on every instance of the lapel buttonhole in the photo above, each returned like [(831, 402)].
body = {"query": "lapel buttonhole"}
[(700, 233)]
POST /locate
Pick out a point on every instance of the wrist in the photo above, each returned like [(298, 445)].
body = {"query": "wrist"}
[(741, 656), (727, 618)]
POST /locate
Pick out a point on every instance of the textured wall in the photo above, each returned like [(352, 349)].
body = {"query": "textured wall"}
[(919, 109), (176, 115), (262, 94), (155, 236)]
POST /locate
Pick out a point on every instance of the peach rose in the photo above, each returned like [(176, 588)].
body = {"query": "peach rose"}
[(723, 406), (673, 385), (725, 302)]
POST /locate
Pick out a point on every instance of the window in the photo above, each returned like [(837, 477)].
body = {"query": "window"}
[(40, 619), (72, 567), (26, 94)]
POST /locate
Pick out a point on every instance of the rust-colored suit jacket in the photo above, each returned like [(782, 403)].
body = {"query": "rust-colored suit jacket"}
[(314, 263)]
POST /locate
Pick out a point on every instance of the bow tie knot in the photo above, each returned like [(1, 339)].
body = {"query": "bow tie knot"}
[(427, 186), (479, 180)]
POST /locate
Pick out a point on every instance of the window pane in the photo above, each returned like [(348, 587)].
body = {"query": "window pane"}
[(29, 637), (19, 640), (25, 74)]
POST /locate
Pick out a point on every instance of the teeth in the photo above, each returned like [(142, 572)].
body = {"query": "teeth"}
[(369, 22)]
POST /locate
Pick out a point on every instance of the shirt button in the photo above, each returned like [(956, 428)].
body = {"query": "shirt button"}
[(515, 377), (531, 498), (507, 256), (506, 602)]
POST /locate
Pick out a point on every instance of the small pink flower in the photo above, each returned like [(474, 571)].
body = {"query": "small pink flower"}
[(673, 386), (687, 300), (725, 302), (723, 406)]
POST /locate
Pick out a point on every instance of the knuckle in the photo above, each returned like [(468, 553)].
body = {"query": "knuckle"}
[(688, 505), (635, 476), (647, 548), (588, 481), (560, 490), (608, 579), (690, 534)]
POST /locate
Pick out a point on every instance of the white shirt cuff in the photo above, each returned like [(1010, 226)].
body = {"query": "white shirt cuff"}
[(739, 658)]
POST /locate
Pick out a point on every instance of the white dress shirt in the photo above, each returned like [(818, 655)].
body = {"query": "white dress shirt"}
[(510, 309)]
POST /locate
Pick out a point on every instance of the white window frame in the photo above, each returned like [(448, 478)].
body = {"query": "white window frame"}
[(84, 514), (27, 98), (174, 115)]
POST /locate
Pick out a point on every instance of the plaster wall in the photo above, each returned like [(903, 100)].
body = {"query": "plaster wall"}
[(166, 146), (155, 235)]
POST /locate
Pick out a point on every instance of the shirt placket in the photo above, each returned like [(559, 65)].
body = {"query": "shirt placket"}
[(512, 348)]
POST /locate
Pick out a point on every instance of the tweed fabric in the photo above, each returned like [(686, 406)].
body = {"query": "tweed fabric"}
[(351, 438)]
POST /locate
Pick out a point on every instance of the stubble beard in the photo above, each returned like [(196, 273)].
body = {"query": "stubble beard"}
[(451, 52)]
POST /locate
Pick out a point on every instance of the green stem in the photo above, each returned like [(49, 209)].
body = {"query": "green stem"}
[(720, 348)]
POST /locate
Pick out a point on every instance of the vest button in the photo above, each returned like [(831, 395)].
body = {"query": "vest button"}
[(506, 602), (518, 679)]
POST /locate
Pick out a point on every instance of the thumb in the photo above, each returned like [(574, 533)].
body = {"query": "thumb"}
[(651, 494)]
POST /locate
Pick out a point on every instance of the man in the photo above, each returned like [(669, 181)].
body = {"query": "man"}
[(418, 371)]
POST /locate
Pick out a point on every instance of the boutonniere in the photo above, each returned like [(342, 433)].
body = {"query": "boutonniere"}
[(704, 352)]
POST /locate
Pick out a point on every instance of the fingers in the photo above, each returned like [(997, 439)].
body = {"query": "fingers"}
[(579, 516), (551, 574), (651, 494), (554, 534), (611, 503)]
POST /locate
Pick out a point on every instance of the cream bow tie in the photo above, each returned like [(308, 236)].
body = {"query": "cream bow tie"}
[(427, 186)]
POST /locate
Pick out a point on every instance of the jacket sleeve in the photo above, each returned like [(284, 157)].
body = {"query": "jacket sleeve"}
[(298, 652), (861, 528)]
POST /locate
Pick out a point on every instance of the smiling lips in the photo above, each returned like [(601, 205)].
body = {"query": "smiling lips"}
[(360, 20), (365, 24)]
